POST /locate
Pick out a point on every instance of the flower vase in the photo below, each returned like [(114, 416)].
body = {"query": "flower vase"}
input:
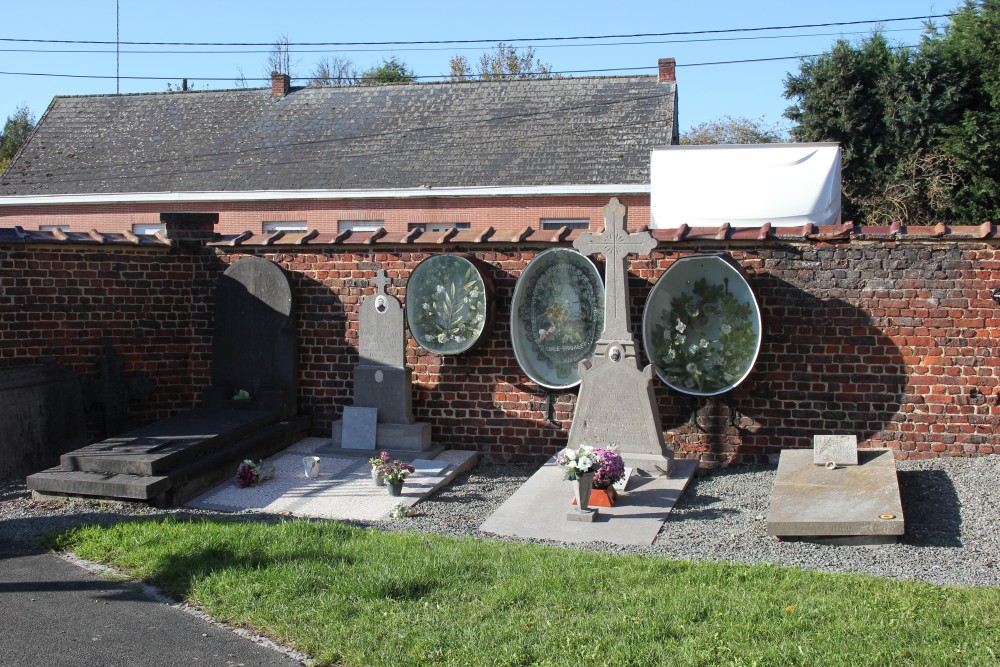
[(394, 488), (581, 489), (378, 478)]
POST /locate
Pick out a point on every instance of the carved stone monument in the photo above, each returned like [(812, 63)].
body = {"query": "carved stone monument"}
[(381, 378), (616, 404)]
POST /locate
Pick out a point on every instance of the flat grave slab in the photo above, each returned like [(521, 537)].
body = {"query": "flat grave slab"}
[(538, 509), (343, 490), (156, 448), (849, 501)]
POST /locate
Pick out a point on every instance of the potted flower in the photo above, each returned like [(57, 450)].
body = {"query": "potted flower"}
[(609, 472), (395, 473), (378, 465), (580, 465)]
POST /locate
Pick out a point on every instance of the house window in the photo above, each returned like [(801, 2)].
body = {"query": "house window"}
[(272, 227), (52, 228), (148, 229), (437, 226), (572, 223), (359, 225)]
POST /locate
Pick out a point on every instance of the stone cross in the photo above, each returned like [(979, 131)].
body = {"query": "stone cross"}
[(381, 281), (616, 244)]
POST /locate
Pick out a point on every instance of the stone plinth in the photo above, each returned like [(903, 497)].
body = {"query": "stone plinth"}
[(849, 501)]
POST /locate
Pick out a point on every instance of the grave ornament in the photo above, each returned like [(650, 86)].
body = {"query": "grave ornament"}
[(617, 407), (382, 415)]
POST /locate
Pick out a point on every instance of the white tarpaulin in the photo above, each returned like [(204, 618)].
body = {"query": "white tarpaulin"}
[(745, 185)]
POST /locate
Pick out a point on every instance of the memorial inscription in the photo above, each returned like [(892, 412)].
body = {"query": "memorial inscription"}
[(840, 450)]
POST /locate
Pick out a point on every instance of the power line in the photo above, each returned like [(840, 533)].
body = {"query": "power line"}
[(427, 76), (487, 41), (459, 48)]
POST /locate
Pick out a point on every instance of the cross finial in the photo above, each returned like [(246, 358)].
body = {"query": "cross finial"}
[(616, 244), (381, 281)]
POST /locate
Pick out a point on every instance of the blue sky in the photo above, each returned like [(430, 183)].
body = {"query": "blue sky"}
[(706, 91)]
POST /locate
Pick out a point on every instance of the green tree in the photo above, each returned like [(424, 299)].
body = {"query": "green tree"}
[(730, 130), (919, 128), (970, 52), (392, 70), (15, 133), (503, 62)]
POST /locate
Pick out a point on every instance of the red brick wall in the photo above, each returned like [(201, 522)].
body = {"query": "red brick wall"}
[(64, 303), (501, 213), (895, 341)]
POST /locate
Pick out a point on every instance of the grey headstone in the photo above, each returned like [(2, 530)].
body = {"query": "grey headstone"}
[(360, 425), (841, 450), (381, 338), (587, 515), (253, 345), (617, 407), (388, 389)]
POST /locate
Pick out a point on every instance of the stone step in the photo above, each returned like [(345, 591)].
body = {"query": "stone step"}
[(160, 447), (56, 482), (179, 484)]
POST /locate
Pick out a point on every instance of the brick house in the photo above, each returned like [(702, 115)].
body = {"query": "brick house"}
[(537, 153)]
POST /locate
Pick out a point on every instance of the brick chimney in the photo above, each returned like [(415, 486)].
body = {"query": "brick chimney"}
[(280, 84), (667, 73)]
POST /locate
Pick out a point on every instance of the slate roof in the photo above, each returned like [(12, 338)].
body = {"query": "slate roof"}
[(579, 131)]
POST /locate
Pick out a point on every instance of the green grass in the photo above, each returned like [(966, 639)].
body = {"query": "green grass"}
[(365, 597)]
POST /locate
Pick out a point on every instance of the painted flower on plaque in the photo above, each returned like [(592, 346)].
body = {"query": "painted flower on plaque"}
[(448, 304), (556, 316), (702, 325)]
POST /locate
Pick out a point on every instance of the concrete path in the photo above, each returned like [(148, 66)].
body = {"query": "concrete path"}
[(55, 613)]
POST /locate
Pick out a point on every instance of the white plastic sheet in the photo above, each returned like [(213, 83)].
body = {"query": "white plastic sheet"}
[(745, 185)]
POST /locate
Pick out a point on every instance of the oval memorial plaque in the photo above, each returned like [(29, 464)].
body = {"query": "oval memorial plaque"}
[(449, 304), (702, 327), (556, 316)]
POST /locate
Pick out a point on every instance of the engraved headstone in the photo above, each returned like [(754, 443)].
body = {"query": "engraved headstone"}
[(382, 381), (381, 341), (616, 404), (253, 343), (360, 427), (840, 450)]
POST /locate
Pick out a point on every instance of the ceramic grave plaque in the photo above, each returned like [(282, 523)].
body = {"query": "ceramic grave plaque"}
[(557, 316), (702, 326), (449, 304)]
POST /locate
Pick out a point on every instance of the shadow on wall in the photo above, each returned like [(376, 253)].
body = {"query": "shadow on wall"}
[(824, 367)]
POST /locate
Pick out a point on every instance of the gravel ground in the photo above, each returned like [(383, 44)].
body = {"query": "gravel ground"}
[(950, 506)]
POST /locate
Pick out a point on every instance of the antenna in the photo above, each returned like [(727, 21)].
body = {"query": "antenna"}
[(118, 48)]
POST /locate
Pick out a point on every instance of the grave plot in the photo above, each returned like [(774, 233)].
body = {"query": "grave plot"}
[(836, 493), (250, 409)]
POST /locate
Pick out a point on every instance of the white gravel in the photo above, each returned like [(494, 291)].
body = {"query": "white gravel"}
[(950, 507)]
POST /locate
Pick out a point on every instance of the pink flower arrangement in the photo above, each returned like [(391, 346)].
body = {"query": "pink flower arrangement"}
[(247, 474), (612, 468)]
